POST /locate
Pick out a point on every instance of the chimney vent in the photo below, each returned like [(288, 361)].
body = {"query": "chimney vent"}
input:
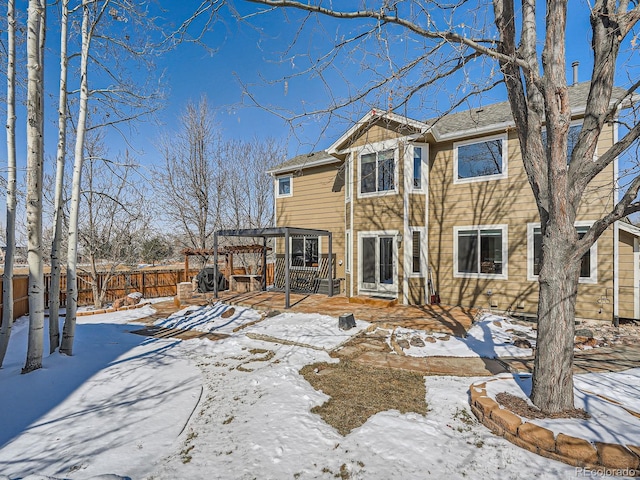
[(575, 72)]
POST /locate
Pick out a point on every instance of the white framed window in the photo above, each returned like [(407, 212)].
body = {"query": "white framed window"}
[(305, 252), (378, 169), (480, 160), (588, 267), (480, 251), (284, 186), (418, 247), (419, 167), (347, 251)]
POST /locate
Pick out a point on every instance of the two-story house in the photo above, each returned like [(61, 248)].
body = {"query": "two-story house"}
[(443, 208)]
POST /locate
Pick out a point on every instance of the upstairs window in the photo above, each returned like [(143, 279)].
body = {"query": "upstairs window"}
[(304, 251), (417, 168), (478, 161), (284, 186), (377, 172), (572, 139)]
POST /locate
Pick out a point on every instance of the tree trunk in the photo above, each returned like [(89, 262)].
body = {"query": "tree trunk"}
[(68, 332), (7, 276), (552, 373), (35, 160), (54, 290)]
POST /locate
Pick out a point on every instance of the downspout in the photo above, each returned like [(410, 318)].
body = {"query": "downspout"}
[(616, 237), (406, 158)]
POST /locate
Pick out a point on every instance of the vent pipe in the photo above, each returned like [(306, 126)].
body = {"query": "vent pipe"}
[(575, 72)]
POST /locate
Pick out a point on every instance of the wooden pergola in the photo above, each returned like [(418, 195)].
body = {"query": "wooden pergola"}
[(228, 251), (277, 232)]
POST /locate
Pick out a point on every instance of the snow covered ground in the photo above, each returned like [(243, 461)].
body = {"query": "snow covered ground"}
[(490, 337), (135, 407)]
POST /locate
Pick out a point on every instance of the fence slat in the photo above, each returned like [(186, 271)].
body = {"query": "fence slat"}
[(162, 283)]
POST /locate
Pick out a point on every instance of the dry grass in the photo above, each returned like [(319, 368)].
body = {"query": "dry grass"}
[(358, 391)]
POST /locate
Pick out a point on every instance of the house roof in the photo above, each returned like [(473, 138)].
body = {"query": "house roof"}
[(475, 121), (497, 116), (306, 160)]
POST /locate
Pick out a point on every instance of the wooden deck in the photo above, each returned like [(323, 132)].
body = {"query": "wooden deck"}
[(435, 318)]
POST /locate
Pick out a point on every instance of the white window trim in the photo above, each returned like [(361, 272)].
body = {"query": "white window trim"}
[(348, 254), (375, 148), (485, 178), (505, 252), (423, 252), (297, 267), (348, 178), (379, 233), (423, 171), (592, 279), (281, 177)]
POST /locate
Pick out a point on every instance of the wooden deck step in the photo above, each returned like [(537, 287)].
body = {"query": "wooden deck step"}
[(380, 302)]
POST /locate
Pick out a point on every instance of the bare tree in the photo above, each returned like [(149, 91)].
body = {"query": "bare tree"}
[(113, 214), (191, 180), (54, 290), (35, 162), (68, 332), (532, 64), (10, 239), (110, 31), (248, 190)]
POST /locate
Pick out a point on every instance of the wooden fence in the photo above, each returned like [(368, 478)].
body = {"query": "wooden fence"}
[(151, 283)]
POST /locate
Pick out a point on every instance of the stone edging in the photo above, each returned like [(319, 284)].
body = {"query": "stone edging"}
[(84, 313), (564, 448)]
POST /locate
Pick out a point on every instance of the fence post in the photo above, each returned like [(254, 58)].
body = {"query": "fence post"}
[(144, 282)]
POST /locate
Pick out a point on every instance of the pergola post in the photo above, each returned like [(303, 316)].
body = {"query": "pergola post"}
[(215, 265), (330, 274), (287, 285), (186, 267), (264, 264)]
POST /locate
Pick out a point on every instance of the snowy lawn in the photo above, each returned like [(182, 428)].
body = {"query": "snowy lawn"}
[(489, 337), (136, 407)]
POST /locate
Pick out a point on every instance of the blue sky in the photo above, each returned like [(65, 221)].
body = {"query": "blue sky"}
[(251, 52)]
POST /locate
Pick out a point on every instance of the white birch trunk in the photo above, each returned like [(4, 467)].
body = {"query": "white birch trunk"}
[(7, 277), (69, 329), (54, 290), (35, 157)]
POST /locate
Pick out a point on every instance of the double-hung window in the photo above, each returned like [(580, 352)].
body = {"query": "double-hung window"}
[(588, 266), (377, 172), (480, 251), (480, 160), (284, 186), (305, 251)]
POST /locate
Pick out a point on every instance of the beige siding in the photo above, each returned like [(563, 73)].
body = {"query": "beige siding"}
[(417, 207), (378, 133), (626, 275), (317, 202), (509, 202)]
